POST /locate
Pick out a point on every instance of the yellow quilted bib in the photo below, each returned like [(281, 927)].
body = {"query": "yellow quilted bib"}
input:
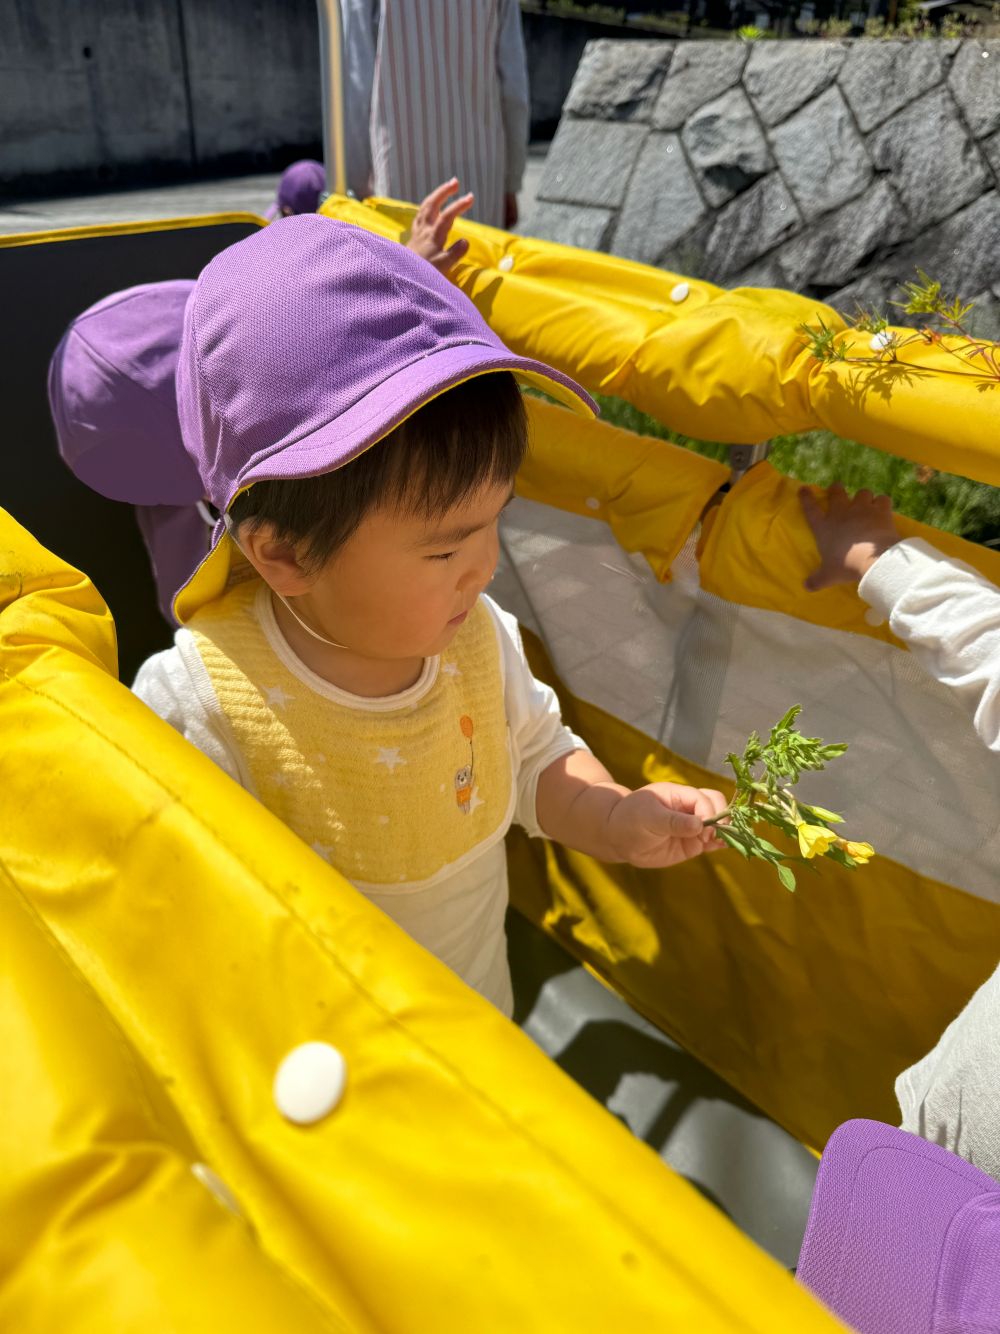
[(390, 794)]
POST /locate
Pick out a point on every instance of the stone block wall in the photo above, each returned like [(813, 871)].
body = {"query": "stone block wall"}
[(831, 168)]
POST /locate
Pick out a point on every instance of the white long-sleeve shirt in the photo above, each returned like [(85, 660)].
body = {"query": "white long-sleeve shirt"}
[(949, 616), (434, 89), (460, 916)]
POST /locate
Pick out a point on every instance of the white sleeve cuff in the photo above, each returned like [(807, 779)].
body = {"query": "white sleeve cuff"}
[(894, 572)]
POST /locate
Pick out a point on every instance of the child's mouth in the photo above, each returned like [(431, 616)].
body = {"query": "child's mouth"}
[(457, 620)]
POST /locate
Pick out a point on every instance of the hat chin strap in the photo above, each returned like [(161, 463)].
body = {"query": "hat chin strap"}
[(307, 628), (231, 530)]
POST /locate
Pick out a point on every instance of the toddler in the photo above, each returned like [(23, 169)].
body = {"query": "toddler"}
[(358, 426)]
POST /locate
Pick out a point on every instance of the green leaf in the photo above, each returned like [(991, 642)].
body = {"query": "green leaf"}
[(786, 876), (732, 840), (820, 812)]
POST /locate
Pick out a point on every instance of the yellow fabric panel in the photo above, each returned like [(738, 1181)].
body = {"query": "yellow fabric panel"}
[(757, 549), (464, 1182), (721, 365), (809, 1003), (103, 1227), (650, 492)]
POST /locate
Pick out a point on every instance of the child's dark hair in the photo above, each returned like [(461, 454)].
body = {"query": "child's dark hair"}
[(469, 437)]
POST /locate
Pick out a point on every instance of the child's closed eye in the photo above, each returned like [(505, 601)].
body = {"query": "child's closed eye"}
[(447, 555)]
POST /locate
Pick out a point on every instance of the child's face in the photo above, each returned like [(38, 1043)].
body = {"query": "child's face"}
[(402, 585)]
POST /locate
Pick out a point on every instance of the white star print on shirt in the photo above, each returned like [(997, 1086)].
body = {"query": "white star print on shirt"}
[(276, 697), (390, 757), (450, 669)]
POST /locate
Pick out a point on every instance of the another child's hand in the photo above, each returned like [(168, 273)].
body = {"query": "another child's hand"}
[(850, 534), (661, 825), (428, 235)]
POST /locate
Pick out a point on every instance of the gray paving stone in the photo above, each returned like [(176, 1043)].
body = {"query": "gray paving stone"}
[(662, 204), (831, 252), (619, 80), (571, 224), (747, 228), (880, 77), (975, 82), (782, 76), (726, 146), (935, 166), (821, 154), (590, 162), (699, 72)]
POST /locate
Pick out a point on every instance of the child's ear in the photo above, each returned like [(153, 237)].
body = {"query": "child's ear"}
[(275, 559)]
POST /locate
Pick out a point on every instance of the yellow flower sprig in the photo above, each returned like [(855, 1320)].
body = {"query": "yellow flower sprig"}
[(765, 773), (978, 357)]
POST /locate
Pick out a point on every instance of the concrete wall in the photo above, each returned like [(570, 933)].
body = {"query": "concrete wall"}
[(832, 168), (100, 91)]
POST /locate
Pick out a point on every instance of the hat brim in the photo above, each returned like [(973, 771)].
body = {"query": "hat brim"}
[(362, 425), (877, 1241)]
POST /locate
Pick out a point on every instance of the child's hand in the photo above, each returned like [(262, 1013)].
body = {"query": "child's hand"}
[(428, 235), (661, 825), (850, 534)]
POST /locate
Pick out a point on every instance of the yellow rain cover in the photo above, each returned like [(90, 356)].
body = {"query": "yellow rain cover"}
[(714, 364), (810, 1003), (165, 943)]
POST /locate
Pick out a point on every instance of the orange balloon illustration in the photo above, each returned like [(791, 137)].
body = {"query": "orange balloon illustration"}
[(465, 723)]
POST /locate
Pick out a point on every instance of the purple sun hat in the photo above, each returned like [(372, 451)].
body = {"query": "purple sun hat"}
[(300, 189), (309, 341), (112, 392), (903, 1236)]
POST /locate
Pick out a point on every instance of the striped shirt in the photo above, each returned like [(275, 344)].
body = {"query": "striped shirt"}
[(434, 89)]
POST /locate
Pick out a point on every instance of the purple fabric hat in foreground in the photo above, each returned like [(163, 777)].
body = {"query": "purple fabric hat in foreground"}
[(112, 391), (903, 1237), (309, 341)]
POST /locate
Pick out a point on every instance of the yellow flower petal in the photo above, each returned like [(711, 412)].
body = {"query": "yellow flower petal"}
[(814, 840), (862, 853)]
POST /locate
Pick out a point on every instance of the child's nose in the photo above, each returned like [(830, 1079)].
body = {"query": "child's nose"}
[(482, 568)]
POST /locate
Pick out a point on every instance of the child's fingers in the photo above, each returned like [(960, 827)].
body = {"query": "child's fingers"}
[(455, 210), (821, 578), (432, 203), (456, 251), (810, 506), (445, 259), (711, 803)]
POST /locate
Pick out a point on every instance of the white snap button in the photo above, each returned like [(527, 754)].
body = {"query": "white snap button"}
[(592, 503), (309, 1082), (506, 264), (680, 292), (215, 1185), (873, 617)]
